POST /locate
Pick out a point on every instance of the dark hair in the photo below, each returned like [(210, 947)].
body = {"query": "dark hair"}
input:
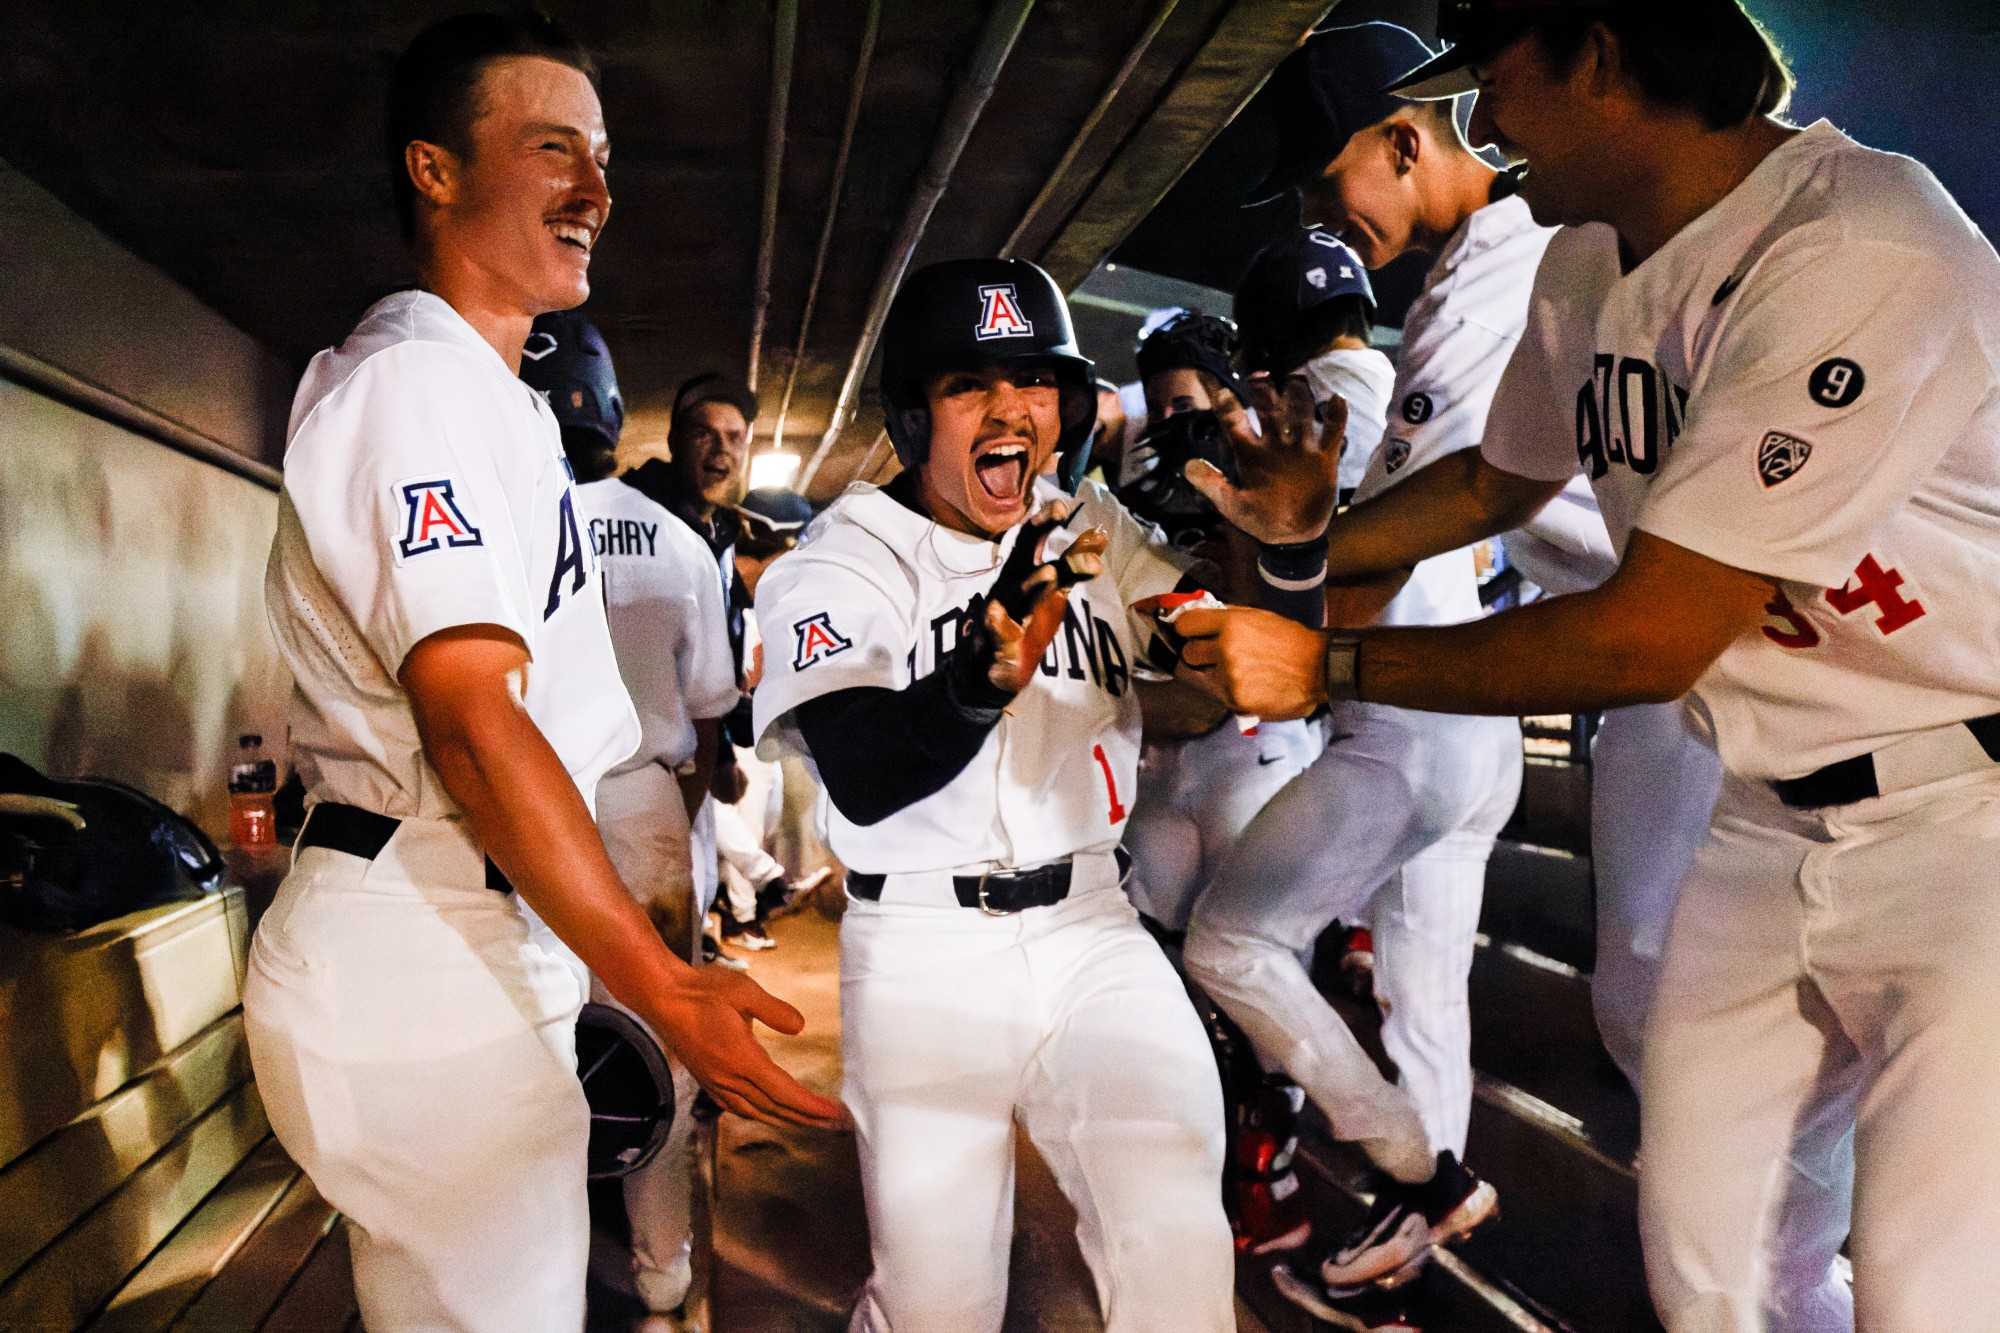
[(1707, 56), (1342, 317), (432, 91)]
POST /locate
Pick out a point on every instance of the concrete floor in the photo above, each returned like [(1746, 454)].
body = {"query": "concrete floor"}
[(791, 1238)]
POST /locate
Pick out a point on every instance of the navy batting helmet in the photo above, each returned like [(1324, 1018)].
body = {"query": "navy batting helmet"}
[(565, 359), (967, 314), (630, 1091), (1291, 283)]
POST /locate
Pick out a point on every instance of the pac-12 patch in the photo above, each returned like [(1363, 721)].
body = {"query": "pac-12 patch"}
[(1000, 313), (1397, 454), (432, 518), (1779, 456), (815, 639), (1417, 408)]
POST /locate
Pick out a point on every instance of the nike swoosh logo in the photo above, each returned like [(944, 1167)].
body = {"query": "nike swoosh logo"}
[(1727, 289), (1265, 760)]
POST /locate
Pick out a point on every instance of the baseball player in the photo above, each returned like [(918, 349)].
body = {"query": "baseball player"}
[(410, 1020), (962, 679), (566, 361), (1201, 783), (1773, 353), (664, 605), (709, 435), (1404, 805)]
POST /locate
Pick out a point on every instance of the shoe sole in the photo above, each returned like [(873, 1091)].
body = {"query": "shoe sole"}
[(1318, 1301), (1393, 1258), (1478, 1208)]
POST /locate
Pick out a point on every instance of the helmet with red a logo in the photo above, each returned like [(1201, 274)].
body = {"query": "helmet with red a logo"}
[(971, 314)]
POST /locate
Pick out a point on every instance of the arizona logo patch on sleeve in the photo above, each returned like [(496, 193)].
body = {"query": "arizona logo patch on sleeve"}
[(815, 640), (432, 518)]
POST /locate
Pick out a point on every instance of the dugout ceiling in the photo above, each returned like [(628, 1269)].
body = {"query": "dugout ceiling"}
[(236, 146)]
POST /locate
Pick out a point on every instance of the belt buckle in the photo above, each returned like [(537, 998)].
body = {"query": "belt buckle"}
[(983, 905)]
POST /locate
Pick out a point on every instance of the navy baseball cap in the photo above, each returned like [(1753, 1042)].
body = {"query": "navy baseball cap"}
[(1329, 90), (1475, 31), (566, 361), (777, 508), (1287, 280)]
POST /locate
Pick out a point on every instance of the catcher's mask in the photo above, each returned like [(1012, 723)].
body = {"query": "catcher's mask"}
[(630, 1091)]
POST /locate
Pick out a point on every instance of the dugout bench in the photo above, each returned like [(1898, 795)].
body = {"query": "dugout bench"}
[(140, 1186)]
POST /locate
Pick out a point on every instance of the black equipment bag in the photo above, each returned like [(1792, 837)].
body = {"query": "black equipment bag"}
[(77, 852)]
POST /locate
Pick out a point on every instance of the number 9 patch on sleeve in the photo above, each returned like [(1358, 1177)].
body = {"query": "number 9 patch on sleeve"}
[(433, 519)]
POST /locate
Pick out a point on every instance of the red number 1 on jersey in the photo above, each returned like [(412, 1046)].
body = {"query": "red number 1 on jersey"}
[(1117, 812)]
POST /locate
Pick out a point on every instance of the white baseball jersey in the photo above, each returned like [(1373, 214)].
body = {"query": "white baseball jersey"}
[(667, 620), (874, 596), (1804, 382), (1366, 379), (426, 488)]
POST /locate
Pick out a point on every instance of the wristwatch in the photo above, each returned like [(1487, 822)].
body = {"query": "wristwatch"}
[(1343, 666)]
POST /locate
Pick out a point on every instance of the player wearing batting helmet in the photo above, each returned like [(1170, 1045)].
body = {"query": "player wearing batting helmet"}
[(565, 360), (1772, 353)]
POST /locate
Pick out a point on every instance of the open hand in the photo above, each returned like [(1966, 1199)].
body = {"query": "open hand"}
[(1288, 477), (705, 1021)]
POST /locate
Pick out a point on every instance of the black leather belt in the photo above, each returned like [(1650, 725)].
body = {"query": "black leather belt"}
[(363, 833), (998, 894), (1855, 779)]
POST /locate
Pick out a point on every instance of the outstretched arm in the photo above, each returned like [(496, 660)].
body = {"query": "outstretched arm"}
[(1645, 636), (1456, 501), (466, 688)]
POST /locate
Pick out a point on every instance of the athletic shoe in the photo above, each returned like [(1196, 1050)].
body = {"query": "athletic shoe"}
[(1360, 1309), (712, 954), (1261, 1191), (746, 934), (782, 897), (1405, 1221), (1357, 963)]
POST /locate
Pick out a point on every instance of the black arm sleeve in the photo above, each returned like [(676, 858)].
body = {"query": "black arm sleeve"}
[(880, 750)]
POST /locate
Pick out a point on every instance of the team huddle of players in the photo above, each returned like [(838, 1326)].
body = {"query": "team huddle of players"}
[(1727, 389)]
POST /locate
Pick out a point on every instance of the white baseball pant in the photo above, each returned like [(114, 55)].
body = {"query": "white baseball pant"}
[(955, 1023), (742, 831), (1416, 797), (1831, 966), (414, 1045), (1195, 798), (1653, 784), (643, 819)]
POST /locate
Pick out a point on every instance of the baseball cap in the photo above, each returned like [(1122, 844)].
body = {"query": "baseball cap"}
[(777, 508), (1195, 341), (1331, 88), (1288, 279), (1474, 31), (714, 387)]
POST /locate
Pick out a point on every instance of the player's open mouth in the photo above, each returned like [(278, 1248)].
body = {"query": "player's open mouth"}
[(1003, 472)]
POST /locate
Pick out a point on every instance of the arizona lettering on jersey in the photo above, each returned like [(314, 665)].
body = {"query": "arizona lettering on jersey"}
[(1086, 647), (878, 594), (1799, 384)]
